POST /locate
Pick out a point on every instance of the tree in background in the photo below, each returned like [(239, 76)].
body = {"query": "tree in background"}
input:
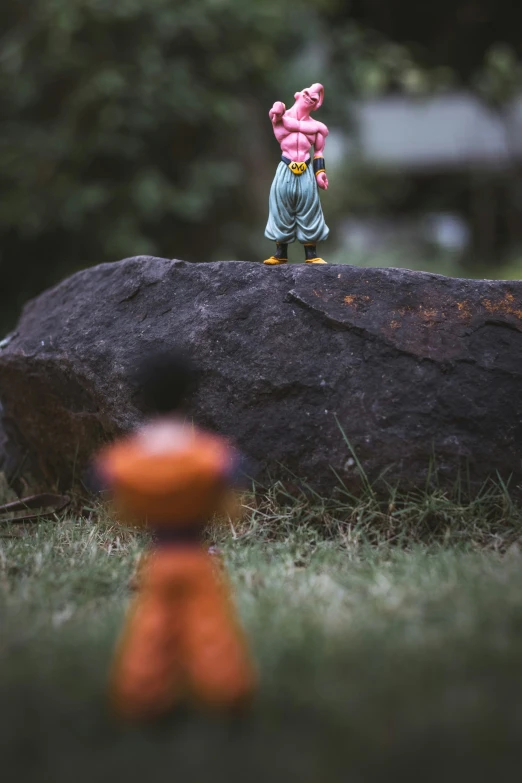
[(140, 126), (134, 127), (385, 47)]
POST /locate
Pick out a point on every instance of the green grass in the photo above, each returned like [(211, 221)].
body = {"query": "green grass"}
[(388, 637)]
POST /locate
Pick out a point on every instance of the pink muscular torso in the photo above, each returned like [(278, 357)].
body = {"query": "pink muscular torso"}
[(296, 144), (297, 132), (297, 136)]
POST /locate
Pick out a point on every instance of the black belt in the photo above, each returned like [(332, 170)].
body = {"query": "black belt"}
[(179, 536), (288, 161)]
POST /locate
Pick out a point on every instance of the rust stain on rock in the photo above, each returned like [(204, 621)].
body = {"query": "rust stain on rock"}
[(430, 313), (426, 321), (356, 300), (464, 310), (504, 306)]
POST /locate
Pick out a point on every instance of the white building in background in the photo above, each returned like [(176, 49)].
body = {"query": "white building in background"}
[(450, 132), (445, 134)]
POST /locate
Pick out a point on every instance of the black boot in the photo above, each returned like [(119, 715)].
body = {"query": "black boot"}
[(311, 254), (280, 256)]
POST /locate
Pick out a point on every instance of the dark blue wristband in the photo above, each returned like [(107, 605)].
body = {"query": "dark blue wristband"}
[(319, 165)]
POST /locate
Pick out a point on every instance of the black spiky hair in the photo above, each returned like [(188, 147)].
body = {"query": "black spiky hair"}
[(164, 380)]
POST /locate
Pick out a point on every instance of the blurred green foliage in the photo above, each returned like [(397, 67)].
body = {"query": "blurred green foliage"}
[(132, 127), (140, 126)]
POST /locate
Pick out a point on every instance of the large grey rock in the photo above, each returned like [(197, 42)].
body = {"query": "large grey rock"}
[(411, 366)]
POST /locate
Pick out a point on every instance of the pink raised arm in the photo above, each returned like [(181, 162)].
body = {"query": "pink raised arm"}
[(291, 123), (276, 112)]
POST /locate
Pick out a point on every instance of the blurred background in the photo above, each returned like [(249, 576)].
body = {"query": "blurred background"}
[(141, 127)]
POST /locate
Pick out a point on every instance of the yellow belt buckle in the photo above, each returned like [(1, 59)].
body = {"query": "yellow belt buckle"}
[(297, 168)]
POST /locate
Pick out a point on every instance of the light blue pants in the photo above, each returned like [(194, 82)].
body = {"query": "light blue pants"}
[(295, 210)]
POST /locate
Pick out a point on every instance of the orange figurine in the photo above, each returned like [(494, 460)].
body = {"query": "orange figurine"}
[(182, 638)]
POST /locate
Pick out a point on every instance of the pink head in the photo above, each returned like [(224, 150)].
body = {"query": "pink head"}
[(311, 98)]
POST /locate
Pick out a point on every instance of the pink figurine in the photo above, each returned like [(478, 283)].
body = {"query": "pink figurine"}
[(295, 206)]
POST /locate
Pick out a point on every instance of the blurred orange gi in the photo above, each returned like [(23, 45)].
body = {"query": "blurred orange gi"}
[(182, 639)]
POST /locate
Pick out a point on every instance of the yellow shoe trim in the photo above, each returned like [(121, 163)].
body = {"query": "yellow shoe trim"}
[(273, 261), (315, 261)]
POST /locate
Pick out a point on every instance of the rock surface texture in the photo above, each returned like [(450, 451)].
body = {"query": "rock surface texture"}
[(3, 445), (411, 366)]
